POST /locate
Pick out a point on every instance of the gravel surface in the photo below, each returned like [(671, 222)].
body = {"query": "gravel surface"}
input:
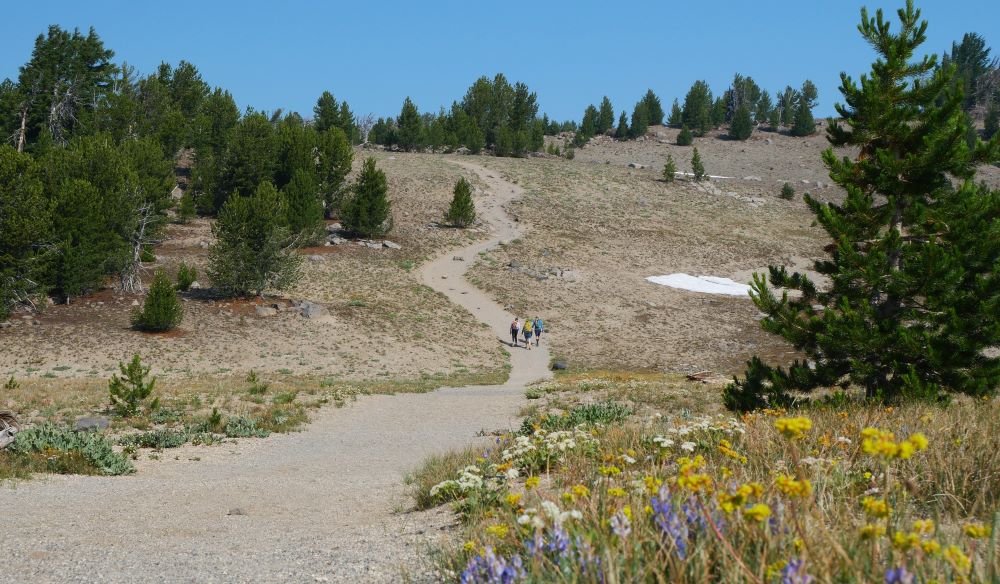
[(324, 505)]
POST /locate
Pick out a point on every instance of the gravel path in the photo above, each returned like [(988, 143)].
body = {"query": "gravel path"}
[(322, 505)]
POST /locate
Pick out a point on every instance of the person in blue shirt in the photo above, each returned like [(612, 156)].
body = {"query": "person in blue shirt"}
[(539, 326)]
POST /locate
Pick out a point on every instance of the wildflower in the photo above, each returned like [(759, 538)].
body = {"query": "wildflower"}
[(758, 512), (905, 541), (930, 547), (871, 531), (923, 526), (729, 502), (976, 530), (627, 510), (580, 490), (568, 497), (469, 545), (671, 523), (794, 572), (695, 482), (793, 488), (616, 492), (843, 440), (514, 499), (882, 443), (621, 525), (876, 507), (489, 567), (774, 569), (652, 484), (898, 575), (498, 531), (531, 482), (688, 446), (958, 560), (609, 471), (793, 428)]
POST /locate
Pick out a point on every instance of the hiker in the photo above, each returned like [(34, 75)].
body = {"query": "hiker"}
[(528, 330), (539, 327), (515, 327)]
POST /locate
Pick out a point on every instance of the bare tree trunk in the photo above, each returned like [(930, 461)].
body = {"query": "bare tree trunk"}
[(129, 278), (24, 128), (365, 125)]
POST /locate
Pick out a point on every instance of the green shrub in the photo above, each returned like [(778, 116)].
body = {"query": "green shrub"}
[(186, 210), (685, 137), (147, 256), (669, 169), (129, 391), (367, 212), (51, 440), (243, 427), (257, 387), (607, 412), (462, 211), (156, 439), (697, 167), (161, 310), (186, 275), (787, 192)]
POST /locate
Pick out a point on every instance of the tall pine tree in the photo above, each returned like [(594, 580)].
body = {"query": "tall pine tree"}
[(913, 296), (605, 116), (367, 212)]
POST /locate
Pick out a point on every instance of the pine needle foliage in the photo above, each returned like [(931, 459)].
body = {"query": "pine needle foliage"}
[(914, 295), (462, 211)]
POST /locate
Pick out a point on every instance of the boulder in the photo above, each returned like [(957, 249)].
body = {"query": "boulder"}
[(559, 366), (265, 311), (636, 165), (311, 309), (391, 245), (88, 423), (195, 285), (754, 178)]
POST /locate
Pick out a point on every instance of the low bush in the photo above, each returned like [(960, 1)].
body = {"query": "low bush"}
[(59, 449), (129, 391)]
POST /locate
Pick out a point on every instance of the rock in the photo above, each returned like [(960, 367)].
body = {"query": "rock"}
[(89, 423), (559, 366), (767, 141), (458, 258), (195, 285), (265, 311), (515, 265), (805, 181), (462, 150), (391, 245), (135, 303), (751, 177), (503, 243), (315, 258), (203, 244), (6, 324), (237, 511), (334, 240), (636, 165), (820, 184), (311, 309)]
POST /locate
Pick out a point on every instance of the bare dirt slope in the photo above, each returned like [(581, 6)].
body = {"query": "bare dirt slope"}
[(312, 506)]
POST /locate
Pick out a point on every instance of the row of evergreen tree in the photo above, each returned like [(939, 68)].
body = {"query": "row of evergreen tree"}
[(493, 115)]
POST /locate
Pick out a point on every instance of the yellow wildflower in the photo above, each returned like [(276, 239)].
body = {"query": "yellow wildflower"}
[(905, 541), (568, 497), (647, 509), (930, 547), (793, 428), (580, 490), (531, 482), (514, 499), (976, 530), (876, 507), (919, 441), (798, 543), (616, 492), (469, 546), (923, 526), (774, 570), (627, 511), (793, 488), (958, 560), (758, 512), (498, 531), (652, 484), (695, 482), (871, 531), (609, 471)]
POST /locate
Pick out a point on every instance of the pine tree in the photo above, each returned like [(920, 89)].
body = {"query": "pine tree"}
[(25, 223), (654, 109), (605, 116), (697, 168), (697, 112), (161, 310), (992, 123), (669, 169), (334, 157), (253, 250), (774, 119), (640, 121), (410, 126), (304, 207), (621, 132), (684, 137), (186, 210), (804, 124), (742, 126), (367, 212), (462, 211), (676, 118), (129, 391), (787, 192), (912, 299), (588, 126), (765, 107)]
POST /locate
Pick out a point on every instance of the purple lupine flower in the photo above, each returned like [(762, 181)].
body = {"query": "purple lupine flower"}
[(795, 573), (490, 568), (536, 545), (588, 560), (559, 543), (620, 525), (898, 575), (672, 524)]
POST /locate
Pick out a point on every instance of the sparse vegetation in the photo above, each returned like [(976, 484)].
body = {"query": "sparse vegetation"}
[(787, 192), (462, 211), (161, 310), (669, 169), (186, 275), (129, 391), (697, 167)]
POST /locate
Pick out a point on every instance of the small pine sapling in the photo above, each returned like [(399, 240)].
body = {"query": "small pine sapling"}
[(129, 391)]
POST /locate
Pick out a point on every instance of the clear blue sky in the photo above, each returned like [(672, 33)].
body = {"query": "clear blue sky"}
[(375, 53)]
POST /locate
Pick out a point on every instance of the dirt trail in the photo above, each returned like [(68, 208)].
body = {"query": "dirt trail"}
[(314, 506)]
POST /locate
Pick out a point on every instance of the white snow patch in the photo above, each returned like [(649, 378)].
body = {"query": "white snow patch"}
[(706, 284)]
